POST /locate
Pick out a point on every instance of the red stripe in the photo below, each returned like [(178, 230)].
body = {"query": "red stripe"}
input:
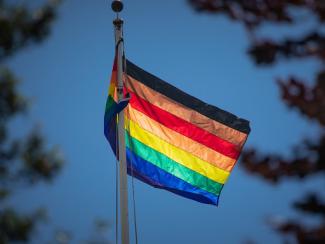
[(115, 63), (183, 127)]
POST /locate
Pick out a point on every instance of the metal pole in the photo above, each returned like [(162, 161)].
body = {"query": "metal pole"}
[(117, 6)]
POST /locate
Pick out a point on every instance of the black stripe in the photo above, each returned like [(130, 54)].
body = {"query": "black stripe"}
[(187, 100)]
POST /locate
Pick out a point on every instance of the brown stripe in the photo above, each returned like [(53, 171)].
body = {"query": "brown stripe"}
[(179, 96), (224, 132)]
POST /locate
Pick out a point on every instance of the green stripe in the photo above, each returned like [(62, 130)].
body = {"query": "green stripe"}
[(109, 103), (160, 160)]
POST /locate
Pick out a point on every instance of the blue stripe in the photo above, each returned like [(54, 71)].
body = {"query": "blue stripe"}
[(156, 177), (110, 133)]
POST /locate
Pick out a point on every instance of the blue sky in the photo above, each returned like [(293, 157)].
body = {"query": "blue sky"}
[(67, 78)]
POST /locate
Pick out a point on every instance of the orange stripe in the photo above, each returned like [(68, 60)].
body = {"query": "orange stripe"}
[(205, 153), (224, 132), (112, 86)]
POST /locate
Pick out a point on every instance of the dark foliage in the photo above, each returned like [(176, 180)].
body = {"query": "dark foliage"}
[(311, 204), (15, 227), (252, 13), (308, 159), (23, 161), (302, 233), (26, 161), (268, 52), (21, 27), (309, 101)]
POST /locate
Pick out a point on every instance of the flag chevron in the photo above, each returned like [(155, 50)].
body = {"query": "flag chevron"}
[(175, 141), (112, 108)]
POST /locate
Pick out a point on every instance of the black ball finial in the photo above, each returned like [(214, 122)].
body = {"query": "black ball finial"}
[(117, 6)]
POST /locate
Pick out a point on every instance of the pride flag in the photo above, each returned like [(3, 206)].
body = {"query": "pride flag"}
[(175, 141)]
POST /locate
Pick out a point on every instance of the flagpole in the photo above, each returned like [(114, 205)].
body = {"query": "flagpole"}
[(117, 7)]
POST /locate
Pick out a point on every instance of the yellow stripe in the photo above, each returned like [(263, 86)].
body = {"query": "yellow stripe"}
[(184, 158), (178, 140), (111, 90), (112, 86)]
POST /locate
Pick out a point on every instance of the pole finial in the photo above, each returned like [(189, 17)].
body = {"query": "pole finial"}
[(117, 6)]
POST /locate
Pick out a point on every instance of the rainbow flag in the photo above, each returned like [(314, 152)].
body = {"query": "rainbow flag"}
[(175, 141)]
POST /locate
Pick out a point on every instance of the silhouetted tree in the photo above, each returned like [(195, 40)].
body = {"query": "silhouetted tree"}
[(309, 100), (23, 161), (26, 161)]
